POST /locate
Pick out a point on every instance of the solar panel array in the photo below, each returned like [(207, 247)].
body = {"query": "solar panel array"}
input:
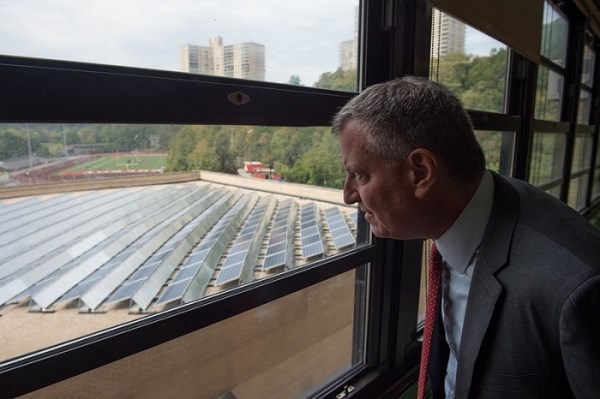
[(280, 250), (181, 245), (202, 260), (120, 254), (154, 246), (38, 267), (161, 259), (242, 256), (340, 232), (310, 232)]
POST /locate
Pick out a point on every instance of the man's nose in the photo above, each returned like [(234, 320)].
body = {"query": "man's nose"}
[(350, 193)]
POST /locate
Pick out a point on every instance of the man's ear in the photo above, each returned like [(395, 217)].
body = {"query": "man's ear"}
[(423, 169)]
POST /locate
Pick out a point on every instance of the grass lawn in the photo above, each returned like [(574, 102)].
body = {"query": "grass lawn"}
[(122, 163)]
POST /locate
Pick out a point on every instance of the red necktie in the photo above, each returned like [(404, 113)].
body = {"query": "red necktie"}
[(434, 278)]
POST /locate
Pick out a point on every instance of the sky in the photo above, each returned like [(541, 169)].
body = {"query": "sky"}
[(301, 37)]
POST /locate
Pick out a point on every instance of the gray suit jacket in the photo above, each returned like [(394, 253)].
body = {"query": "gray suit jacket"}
[(532, 325)]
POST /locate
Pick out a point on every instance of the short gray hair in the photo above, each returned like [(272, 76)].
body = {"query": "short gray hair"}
[(412, 112)]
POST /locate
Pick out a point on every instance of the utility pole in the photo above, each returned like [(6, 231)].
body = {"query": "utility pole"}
[(64, 140), (29, 145)]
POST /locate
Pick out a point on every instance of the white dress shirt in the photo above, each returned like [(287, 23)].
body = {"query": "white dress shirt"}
[(458, 247)]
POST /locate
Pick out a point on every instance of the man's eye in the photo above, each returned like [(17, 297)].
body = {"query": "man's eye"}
[(358, 177)]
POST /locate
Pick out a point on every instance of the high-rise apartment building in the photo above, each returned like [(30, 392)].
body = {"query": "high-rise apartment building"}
[(448, 35), (348, 56), (349, 48), (242, 60)]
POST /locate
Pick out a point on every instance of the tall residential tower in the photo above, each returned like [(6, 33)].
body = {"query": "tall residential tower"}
[(448, 35), (242, 60)]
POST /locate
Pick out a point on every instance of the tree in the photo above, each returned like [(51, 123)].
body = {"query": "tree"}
[(295, 80), (202, 147), (321, 165), (339, 80), (486, 80), (453, 72), (12, 146), (478, 81), (182, 144)]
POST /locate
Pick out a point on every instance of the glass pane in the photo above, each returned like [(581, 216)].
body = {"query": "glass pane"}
[(584, 107), (288, 348), (498, 148), (577, 191), (589, 61), (215, 37), (582, 152), (554, 33), (547, 161), (469, 62), (548, 96), (134, 219), (596, 192)]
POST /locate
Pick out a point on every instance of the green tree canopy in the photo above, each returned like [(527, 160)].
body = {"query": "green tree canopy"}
[(339, 80)]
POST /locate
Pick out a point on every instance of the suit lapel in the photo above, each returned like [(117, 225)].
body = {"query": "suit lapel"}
[(485, 289)]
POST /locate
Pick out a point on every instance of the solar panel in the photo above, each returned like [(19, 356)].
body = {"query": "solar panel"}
[(280, 249), (211, 246), (311, 236), (242, 257), (231, 273), (312, 250), (275, 260), (173, 292), (276, 246), (340, 232)]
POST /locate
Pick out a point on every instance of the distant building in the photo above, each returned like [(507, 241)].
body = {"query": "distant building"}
[(348, 55), (448, 35), (349, 48), (242, 60)]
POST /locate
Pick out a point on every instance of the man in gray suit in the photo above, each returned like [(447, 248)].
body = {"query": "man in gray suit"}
[(520, 314)]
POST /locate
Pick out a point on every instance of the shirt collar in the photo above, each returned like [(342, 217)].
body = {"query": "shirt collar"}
[(459, 243)]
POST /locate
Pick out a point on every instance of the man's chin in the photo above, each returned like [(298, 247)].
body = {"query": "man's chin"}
[(380, 232)]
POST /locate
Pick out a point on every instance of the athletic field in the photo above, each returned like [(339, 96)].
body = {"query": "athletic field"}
[(129, 162)]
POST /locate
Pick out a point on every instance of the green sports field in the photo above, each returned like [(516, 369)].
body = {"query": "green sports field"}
[(123, 163)]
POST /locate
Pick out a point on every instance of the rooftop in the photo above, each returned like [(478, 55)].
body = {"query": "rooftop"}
[(120, 252)]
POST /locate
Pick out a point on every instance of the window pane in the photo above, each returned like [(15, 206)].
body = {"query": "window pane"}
[(584, 107), (498, 148), (209, 36), (582, 152), (547, 161), (596, 191), (469, 62), (578, 186), (288, 348), (582, 156), (596, 186), (140, 218), (548, 96), (577, 191), (589, 60), (554, 33)]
